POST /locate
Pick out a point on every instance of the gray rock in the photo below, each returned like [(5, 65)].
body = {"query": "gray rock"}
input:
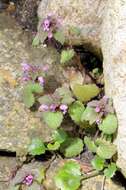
[(18, 125)]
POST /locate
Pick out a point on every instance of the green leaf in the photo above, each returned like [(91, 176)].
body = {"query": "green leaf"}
[(59, 135), (67, 55), (90, 115), (75, 111), (109, 124), (106, 151), (72, 147), (36, 88), (64, 94), (90, 144), (41, 175), (59, 36), (28, 97), (53, 119), (68, 177), (36, 41), (36, 147), (28, 93), (110, 171), (85, 92), (46, 99), (98, 163), (75, 30), (54, 146)]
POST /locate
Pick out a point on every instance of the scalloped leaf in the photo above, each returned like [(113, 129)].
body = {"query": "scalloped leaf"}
[(28, 97), (75, 30), (98, 163), (110, 171), (85, 92), (109, 124), (68, 177), (75, 111), (53, 119), (90, 144), (59, 135), (28, 93), (67, 55), (72, 147), (36, 41), (89, 115), (106, 151), (36, 147), (59, 36), (54, 146)]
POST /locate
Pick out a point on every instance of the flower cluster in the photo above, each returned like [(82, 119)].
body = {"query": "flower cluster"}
[(50, 25), (33, 73), (102, 107), (53, 108), (28, 180)]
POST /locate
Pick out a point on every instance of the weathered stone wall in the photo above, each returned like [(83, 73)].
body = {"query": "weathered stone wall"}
[(113, 40)]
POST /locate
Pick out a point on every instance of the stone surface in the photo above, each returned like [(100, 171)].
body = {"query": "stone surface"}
[(114, 53), (83, 14), (7, 167), (94, 183), (18, 125)]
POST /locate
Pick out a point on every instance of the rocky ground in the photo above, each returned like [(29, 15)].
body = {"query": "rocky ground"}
[(17, 124)]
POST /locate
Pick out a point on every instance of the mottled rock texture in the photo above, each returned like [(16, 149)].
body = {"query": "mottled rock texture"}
[(114, 53), (83, 14), (18, 125), (103, 28)]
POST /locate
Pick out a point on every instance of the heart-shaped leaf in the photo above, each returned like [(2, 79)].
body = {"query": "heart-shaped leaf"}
[(90, 115), (59, 36), (67, 55), (68, 177), (36, 147), (53, 119), (110, 171), (54, 146), (106, 151), (85, 92), (90, 144), (59, 135), (72, 147), (75, 111), (109, 124), (98, 163), (36, 41), (28, 93)]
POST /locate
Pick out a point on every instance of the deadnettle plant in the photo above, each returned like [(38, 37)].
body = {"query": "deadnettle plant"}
[(50, 25), (102, 107), (34, 73), (28, 180)]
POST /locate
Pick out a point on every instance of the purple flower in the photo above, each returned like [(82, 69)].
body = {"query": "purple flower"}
[(53, 107), (50, 35), (45, 68), (41, 80), (28, 180), (63, 108), (44, 107), (46, 25), (97, 109), (25, 67), (98, 121)]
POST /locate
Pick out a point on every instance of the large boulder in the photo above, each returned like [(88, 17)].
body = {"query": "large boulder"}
[(85, 15)]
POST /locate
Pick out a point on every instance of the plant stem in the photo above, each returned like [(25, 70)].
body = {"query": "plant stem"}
[(90, 175)]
